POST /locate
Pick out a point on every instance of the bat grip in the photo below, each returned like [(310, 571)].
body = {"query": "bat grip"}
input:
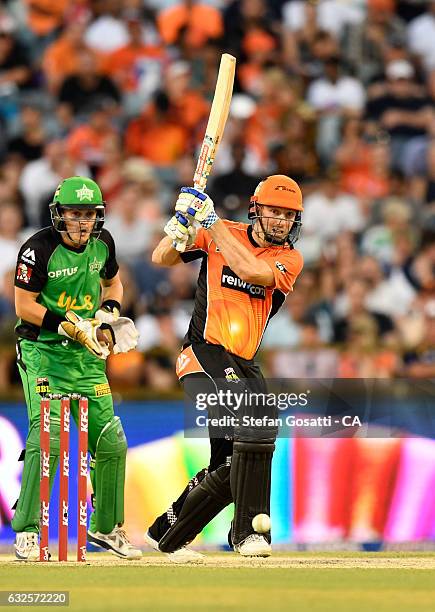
[(181, 246)]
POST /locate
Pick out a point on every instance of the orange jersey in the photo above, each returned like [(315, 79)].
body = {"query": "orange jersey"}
[(232, 312)]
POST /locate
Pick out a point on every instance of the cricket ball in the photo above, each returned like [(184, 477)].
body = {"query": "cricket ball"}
[(261, 523)]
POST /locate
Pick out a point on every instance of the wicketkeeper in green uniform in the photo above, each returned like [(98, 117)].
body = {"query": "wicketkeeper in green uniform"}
[(68, 297)]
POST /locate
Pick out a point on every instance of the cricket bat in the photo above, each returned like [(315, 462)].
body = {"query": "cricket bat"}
[(216, 123)]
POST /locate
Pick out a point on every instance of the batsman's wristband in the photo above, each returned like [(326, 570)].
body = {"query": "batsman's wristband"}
[(110, 306), (51, 321), (211, 220)]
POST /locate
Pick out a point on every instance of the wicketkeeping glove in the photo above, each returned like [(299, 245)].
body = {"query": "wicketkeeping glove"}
[(84, 331), (121, 335), (197, 205), (108, 312)]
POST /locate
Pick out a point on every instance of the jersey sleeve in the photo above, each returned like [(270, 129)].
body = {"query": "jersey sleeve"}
[(31, 269), (111, 266), (199, 248), (286, 267)]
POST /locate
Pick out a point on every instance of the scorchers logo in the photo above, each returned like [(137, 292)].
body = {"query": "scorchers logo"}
[(232, 281)]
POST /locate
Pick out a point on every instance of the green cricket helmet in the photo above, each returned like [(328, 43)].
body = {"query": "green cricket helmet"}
[(77, 192)]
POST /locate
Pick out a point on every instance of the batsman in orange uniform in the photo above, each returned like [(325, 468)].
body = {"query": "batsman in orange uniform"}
[(246, 273)]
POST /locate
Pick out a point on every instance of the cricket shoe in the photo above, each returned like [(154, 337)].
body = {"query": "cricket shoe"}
[(116, 542), (181, 555), (254, 545), (26, 546)]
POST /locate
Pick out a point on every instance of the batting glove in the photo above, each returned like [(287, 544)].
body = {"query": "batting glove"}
[(181, 231), (197, 205)]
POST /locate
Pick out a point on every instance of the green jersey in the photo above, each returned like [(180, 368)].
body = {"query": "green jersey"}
[(66, 278)]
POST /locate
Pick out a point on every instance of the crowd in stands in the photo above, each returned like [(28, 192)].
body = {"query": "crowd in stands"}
[(338, 94)]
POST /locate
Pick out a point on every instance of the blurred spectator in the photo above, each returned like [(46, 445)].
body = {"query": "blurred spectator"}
[(108, 31), (421, 37), (10, 172), (188, 106), (364, 165), (15, 73), (86, 87), (353, 303), (420, 267), (403, 111), (285, 328), (140, 172), (260, 48), (310, 360), (379, 240), (329, 15), (86, 142), (61, 58), (44, 17), (399, 188), (241, 17), (365, 44), (11, 222), (156, 134), (40, 177), (232, 191), (334, 96), (279, 100), (364, 356), (29, 144), (137, 68), (295, 159), (44, 20), (242, 109), (423, 186), (200, 21), (109, 173), (131, 233), (8, 369), (164, 325), (420, 362), (390, 294), (328, 213), (159, 370), (312, 31), (7, 301)]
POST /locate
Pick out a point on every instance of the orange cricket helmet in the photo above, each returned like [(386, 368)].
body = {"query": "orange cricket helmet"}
[(283, 192)]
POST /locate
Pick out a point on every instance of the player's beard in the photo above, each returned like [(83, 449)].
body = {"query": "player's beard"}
[(275, 235)]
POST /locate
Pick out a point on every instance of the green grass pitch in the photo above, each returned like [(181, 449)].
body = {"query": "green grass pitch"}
[(308, 582)]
